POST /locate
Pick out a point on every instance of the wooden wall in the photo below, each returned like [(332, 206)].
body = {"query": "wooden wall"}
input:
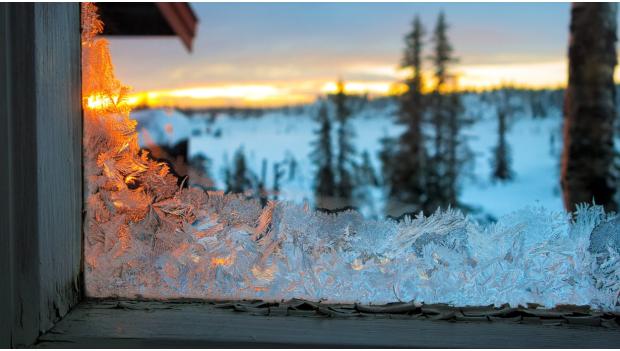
[(6, 276), (40, 167)]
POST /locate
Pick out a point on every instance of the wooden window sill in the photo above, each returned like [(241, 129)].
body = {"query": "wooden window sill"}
[(129, 324)]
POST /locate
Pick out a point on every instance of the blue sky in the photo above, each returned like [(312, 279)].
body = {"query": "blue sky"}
[(300, 47)]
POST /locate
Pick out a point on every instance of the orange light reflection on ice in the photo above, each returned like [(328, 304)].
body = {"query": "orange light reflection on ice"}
[(222, 261), (101, 101)]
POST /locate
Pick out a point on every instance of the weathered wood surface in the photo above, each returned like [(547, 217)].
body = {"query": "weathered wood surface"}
[(160, 324), (19, 177), (40, 176), (6, 271), (59, 157)]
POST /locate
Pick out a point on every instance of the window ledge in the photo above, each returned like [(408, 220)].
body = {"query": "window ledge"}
[(127, 324)]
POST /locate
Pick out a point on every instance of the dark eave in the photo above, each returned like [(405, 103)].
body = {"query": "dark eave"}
[(149, 19)]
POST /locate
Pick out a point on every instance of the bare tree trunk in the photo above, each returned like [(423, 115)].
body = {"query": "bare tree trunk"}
[(590, 111)]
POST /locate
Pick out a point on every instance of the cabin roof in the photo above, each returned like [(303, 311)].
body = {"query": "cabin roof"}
[(149, 19)]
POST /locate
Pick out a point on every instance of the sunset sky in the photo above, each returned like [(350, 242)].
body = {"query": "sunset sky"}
[(263, 54)]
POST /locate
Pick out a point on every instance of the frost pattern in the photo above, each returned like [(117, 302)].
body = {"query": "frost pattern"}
[(148, 236), (287, 251)]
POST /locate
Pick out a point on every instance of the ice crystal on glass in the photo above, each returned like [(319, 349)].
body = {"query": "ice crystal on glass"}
[(147, 235)]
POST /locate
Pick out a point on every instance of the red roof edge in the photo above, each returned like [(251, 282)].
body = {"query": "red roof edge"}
[(182, 20)]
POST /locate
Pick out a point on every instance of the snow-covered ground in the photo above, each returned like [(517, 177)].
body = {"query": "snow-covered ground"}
[(279, 136), (535, 145)]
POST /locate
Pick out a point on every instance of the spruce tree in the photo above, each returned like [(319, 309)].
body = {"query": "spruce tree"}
[(387, 156), (459, 154), (501, 152), (436, 179), (345, 160), (449, 152), (278, 174), (240, 178), (262, 184), (537, 106), (407, 176), (442, 53), (322, 156), (366, 172), (366, 180), (292, 168)]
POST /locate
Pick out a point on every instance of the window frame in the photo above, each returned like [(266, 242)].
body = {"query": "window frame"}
[(41, 173), (41, 234)]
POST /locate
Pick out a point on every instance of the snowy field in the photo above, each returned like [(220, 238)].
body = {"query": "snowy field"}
[(286, 137)]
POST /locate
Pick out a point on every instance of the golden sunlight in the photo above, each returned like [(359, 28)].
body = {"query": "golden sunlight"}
[(528, 75), (536, 75), (246, 95), (359, 87)]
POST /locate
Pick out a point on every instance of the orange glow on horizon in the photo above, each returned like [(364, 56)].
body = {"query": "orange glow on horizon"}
[(537, 75)]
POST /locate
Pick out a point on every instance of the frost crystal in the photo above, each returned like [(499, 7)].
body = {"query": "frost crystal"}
[(147, 236)]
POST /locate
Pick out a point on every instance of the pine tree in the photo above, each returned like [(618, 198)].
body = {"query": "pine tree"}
[(322, 156), (387, 156), (366, 172), (227, 175), (407, 176), (262, 184), (590, 108), (240, 178), (437, 175), (442, 55), (501, 152), (449, 151), (278, 174), (366, 180), (537, 107), (345, 160), (292, 168), (459, 153)]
